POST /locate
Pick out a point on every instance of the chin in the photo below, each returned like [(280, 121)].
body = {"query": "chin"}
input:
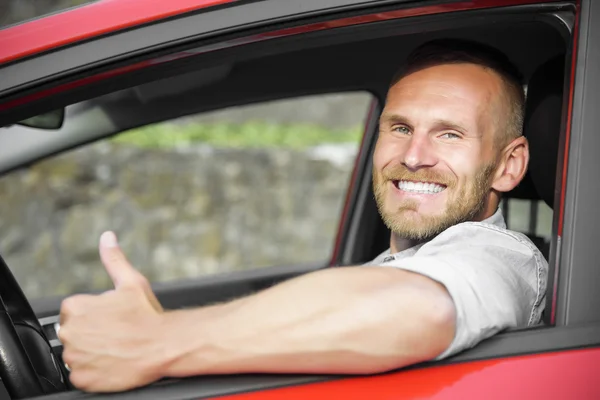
[(418, 216), (412, 225)]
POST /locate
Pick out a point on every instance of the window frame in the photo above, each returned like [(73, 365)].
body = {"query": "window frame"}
[(576, 296)]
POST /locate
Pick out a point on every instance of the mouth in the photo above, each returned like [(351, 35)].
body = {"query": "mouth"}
[(419, 187)]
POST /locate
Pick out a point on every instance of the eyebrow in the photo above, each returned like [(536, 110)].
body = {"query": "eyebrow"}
[(438, 123), (394, 118)]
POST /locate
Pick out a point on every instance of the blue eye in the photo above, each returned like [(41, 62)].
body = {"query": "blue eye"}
[(401, 129), (450, 135)]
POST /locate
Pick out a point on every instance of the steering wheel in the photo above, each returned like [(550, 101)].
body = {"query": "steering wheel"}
[(28, 367)]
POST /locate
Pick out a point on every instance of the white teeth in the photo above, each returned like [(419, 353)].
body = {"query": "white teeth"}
[(420, 187)]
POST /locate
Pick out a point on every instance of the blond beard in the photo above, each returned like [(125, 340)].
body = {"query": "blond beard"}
[(473, 196)]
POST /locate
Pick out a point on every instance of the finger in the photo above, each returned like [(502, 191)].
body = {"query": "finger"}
[(119, 269)]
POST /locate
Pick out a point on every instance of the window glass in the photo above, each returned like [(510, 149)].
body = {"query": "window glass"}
[(248, 187), (531, 217)]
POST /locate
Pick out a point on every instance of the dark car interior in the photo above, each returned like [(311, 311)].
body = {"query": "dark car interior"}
[(343, 59)]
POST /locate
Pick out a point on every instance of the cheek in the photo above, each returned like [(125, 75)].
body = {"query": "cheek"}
[(386, 152), (463, 164), (379, 156)]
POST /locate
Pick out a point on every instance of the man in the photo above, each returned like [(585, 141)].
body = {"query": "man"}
[(450, 143)]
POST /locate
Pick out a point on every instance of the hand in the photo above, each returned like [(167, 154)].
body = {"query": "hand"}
[(112, 341)]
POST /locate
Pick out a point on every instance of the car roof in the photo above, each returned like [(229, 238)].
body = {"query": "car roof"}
[(105, 17), (88, 21)]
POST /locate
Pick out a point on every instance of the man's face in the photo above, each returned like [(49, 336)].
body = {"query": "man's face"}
[(435, 159)]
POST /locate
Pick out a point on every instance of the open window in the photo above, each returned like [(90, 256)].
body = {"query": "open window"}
[(246, 187)]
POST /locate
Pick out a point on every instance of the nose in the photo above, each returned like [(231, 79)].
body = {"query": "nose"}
[(419, 152)]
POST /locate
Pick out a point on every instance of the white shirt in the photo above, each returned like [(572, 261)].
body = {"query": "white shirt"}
[(496, 277)]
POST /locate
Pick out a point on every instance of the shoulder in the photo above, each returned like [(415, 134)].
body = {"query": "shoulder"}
[(496, 278), (501, 251), (508, 255)]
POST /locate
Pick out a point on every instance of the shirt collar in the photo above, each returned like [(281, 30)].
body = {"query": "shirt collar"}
[(496, 219)]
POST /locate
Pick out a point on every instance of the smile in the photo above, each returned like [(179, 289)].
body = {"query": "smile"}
[(419, 187)]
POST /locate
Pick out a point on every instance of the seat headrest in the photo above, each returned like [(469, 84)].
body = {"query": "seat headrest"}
[(542, 125)]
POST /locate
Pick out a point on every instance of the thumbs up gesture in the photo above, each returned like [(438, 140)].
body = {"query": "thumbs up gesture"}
[(122, 273), (112, 341)]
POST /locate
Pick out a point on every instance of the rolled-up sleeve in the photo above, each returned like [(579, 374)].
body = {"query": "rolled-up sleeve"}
[(496, 280)]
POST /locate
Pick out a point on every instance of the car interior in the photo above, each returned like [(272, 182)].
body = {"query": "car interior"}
[(356, 58)]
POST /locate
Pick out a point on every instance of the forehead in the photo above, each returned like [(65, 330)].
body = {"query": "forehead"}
[(463, 91)]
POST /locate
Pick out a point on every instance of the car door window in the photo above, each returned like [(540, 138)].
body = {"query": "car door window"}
[(531, 217), (247, 187)]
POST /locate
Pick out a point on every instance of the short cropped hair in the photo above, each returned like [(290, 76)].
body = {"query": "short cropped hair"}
[(458, 51)]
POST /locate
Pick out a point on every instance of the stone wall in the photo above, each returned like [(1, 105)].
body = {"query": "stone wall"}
[(178, 213)]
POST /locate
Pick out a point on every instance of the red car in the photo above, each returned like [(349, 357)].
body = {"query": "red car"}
[(133, 63)]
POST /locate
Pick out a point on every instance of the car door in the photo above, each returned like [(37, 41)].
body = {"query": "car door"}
[(568, 346)]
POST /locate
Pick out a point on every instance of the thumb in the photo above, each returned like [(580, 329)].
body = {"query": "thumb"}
[(119, 269)]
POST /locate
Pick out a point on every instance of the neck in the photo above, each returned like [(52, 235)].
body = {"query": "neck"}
[(490, 208), (398, 243)]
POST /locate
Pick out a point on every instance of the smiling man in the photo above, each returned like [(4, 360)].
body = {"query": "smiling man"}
[(450, 143)]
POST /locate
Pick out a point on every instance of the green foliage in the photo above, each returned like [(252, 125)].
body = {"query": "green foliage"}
[(249, 134)]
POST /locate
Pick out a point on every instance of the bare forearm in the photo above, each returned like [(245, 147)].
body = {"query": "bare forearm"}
[(343, 320)]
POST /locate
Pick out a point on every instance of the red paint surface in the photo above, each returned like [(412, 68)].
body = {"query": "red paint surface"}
[(89, 21), (565, 375)]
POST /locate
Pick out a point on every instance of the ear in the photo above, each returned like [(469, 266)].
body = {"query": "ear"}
[(513, 165)]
